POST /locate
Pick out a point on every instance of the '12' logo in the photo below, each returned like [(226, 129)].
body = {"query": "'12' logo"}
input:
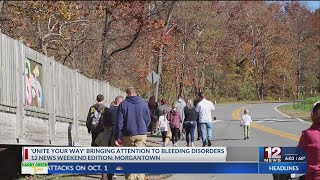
[(272, 153)]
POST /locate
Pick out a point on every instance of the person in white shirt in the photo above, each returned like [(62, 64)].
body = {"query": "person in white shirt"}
[(205, 108), (246, 120), (163, 126)]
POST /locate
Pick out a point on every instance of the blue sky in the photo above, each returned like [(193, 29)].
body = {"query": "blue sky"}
[(312, 5)]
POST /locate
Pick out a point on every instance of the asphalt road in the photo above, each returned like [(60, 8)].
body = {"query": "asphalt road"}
[(270, 128)]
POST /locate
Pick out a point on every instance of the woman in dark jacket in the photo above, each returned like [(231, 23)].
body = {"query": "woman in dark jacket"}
[(153, 106), (190, 121)]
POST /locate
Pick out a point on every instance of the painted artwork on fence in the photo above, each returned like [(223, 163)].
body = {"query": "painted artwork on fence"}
[(33, 75)]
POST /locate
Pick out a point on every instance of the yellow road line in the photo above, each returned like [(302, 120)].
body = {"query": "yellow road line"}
[(236, 116), (276, 132)]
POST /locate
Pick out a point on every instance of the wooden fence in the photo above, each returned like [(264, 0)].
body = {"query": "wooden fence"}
[(43, 102)]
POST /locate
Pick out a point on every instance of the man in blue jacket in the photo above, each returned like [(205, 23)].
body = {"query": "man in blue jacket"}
[(133, 120)]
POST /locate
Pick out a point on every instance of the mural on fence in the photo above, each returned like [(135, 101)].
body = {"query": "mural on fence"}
[(33, 75)]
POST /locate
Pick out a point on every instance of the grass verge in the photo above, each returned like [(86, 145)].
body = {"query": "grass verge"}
[(300, 109), (290, 110)]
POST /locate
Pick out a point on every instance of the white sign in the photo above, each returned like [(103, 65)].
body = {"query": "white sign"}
[(153, 77), (34, 168)]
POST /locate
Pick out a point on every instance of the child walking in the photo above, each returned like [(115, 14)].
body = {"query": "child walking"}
[(246, 120), (163, 126), (174, 119)]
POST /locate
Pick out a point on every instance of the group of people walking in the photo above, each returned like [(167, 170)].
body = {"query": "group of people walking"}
[(181, 120), (127, 121)]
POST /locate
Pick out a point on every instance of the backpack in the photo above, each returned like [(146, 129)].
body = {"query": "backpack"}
[(108, 117), (95, 118)]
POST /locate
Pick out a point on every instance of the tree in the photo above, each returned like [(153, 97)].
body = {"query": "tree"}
[(135, 15), (229, 50), (301, 31), (165, 31)]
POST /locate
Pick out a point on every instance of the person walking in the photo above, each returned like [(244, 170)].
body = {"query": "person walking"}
[(164, 106), (163, 126), (107, 137), (190, 122), (174, 119), (310, 142), (153, 107), (246, 120), (195, 103), (111, 113), (133, 119), (181, 104), (94, 121), (205, 108), (104, 139)]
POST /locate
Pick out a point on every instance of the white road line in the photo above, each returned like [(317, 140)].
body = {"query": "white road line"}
[(276, 109), (271, 119), (301, 120), (215, 121)]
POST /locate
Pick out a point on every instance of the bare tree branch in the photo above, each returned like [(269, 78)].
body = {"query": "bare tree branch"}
[(127, 36), (1, 5), (71, 50), (135, 37), (69, 23)]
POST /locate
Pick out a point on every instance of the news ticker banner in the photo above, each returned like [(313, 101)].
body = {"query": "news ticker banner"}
[(124, 154), (96, 160)]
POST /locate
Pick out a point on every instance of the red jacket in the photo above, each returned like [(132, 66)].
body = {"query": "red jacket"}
[(174, 118), (310, 142)]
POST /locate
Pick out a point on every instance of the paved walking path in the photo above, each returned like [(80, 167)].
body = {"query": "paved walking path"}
[(270, 128), (153, 141)]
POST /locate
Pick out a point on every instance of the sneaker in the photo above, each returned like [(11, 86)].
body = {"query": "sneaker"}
[(209, 143), (244, 138), (182, 136), (198, 139), (192, 145), (204, 144), (188, 145)]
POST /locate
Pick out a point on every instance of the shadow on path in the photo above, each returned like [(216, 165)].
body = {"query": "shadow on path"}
[(228, 139)]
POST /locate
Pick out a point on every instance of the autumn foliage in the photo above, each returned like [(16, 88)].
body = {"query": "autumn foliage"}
[(246, 50)]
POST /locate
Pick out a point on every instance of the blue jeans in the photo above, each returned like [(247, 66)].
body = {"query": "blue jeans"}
[(190, 127), (206, 128)]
